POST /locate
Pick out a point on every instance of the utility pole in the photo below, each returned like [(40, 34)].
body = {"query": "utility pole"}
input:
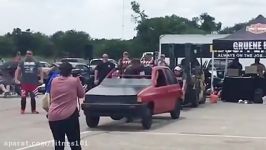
[(123, 20)]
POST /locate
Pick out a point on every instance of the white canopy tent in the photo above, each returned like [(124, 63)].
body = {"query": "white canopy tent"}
[(188, 38), (192, 39)]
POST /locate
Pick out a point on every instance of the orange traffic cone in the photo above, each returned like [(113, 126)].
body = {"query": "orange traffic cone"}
[(214, 98)]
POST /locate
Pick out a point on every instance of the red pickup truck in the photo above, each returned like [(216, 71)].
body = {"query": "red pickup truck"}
[(139, 97)]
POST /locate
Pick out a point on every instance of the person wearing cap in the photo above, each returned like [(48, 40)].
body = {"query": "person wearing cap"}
[(147, 60), (161, 61), (103, 69), (181, 78), (260, 67)]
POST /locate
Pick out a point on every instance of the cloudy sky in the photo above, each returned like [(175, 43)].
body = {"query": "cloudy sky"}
[(104, 18)]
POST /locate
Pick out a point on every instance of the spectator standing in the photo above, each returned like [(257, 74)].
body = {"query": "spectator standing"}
[(161, 61), (235, 64), (181, 78), (134, 69), (27, 75), (63, 114), (260, 67), (53, 73), (124, 62), (103, 69)]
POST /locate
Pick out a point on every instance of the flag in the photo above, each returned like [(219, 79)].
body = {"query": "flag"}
[(36, 92)]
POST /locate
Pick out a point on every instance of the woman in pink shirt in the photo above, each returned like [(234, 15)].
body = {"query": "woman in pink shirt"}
[(63, 113)]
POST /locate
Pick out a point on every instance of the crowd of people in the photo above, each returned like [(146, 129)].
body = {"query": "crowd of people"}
[(7, 74), (261, 70), (65, 90)]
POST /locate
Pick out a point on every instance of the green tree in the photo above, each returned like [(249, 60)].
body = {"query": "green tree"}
[(70, 43), (27, 40), (139, 14), (208, 23), (7, 46), (42, 45), (235, 28), (114, 48), (149, 31), (23, 39)]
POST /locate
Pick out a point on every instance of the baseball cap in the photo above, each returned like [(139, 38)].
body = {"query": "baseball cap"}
[(177, 68)]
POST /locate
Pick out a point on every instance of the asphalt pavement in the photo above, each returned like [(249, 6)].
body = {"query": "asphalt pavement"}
[(222, 126)]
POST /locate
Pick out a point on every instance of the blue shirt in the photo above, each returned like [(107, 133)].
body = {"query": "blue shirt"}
[(52, 75)]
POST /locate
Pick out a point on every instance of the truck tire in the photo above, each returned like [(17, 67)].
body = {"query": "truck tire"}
[(175, 114), (203, 97), (92, 121), (147, 118), (194, 98), (117, 117)]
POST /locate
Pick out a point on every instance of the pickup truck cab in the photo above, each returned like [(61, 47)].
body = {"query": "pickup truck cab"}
[(134, 97)]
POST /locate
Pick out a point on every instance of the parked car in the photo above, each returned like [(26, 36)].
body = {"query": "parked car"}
[(75, 60), (95, 62), (44, 64), (45, 68), (82, 70), (219, 66), (41, 89), (147, 54), (218, 73), (134, 97)]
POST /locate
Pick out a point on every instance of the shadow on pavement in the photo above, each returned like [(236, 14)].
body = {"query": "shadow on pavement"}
[(136, 126)]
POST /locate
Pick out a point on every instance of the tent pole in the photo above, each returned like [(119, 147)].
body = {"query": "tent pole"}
[(212, 77), (226, 64), (160, 46)]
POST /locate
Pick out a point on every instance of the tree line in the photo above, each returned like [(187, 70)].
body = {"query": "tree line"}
[(75, 43)]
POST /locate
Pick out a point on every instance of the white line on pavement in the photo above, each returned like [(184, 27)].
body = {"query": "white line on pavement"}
[(195, 135), (159, 133), (45, 142)]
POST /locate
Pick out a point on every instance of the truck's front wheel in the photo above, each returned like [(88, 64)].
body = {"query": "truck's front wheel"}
[(175, 114), (92, 121), (147, 118), (194, 98)]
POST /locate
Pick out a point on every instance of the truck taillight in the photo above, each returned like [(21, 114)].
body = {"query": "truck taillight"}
[(139, 99)]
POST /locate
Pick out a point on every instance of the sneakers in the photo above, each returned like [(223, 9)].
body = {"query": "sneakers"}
[(6, 94), (22, 111), (243, 102), (35, 112)]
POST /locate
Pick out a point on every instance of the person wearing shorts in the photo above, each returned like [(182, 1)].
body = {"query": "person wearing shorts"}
[(27, 75)]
